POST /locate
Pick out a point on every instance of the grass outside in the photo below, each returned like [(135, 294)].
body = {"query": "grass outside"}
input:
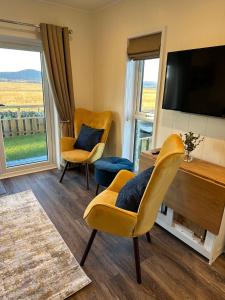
[(148, 99), (26, 93), (25, 146)]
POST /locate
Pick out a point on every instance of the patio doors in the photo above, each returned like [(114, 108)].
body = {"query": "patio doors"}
[(26, 111)]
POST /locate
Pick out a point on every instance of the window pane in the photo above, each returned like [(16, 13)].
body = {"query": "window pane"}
[(143, 139), (149, 85), (22, 110)]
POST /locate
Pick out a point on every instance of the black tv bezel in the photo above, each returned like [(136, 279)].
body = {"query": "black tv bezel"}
[(188, 112)]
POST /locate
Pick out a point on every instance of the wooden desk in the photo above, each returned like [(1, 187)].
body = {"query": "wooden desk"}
[(198, 194)]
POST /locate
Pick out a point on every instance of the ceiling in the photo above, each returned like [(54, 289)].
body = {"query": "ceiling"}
[(89, 5)]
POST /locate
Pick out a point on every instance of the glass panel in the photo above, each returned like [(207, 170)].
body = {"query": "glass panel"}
[(149, 86), (143, 139), (22, 112)]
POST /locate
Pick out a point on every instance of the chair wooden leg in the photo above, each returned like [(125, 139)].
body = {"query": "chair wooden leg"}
[(137, 259), (87, 175), (64, 171), (88, 247), (97, 188), (148, 237)]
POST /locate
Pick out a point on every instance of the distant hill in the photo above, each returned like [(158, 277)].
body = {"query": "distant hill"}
[(28, 75), (150, 84)]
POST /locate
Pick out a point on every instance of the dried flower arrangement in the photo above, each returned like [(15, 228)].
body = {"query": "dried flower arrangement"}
[(191, 141)]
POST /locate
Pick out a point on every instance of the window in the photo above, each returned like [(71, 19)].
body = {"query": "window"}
[(26, 129), (144, 115), (141, 95)]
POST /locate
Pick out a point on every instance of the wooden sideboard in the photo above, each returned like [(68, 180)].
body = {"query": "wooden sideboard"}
[(197, 196)]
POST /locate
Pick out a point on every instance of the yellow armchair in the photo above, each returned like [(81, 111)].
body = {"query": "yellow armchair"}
[(102, 214), (99, 120)]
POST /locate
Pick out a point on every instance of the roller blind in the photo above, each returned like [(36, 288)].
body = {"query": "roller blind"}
[(144, 47)]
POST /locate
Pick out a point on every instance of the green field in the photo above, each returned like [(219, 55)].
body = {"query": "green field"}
[(25, 146), (18, 94), (148, 99), (21, 93)]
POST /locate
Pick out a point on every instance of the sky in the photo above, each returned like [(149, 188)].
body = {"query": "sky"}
[(15, 60), (151, 70)]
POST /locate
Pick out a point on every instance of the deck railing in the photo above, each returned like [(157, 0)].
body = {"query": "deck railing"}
[(22, 120)]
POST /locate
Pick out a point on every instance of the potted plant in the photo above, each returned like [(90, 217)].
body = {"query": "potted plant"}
[(191, 141)]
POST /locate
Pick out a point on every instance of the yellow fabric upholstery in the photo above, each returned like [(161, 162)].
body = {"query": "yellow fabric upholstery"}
[(76, 156), (102, 214), (99, 120), (67, 143), (120, 180)]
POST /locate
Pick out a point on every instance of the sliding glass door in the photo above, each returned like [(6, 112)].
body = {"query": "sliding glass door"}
[(25, 116)]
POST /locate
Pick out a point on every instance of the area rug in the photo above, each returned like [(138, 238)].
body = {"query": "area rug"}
[(35, 262)]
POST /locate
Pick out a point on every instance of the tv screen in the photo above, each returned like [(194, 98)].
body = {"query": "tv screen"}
[(195, 81)]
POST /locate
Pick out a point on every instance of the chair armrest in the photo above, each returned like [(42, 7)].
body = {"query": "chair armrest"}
[(120, 180), (67, 143), (96, 152), (111, 219)]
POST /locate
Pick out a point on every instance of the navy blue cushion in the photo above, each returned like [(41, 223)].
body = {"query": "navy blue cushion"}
[(130, 195), (88, 138), (106, 169), (113, 164)]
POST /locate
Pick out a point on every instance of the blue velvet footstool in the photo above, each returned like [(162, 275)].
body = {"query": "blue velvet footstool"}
[(106, 169)]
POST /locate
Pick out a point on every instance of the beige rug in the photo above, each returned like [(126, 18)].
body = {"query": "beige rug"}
[(35, 262)]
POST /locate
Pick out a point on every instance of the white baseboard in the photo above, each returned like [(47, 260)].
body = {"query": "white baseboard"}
[(28, 171)]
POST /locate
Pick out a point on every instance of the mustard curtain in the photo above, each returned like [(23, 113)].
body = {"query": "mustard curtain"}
[(56, 48)]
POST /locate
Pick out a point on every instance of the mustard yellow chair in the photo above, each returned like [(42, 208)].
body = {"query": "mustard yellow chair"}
[(102, 214), (98, 120)]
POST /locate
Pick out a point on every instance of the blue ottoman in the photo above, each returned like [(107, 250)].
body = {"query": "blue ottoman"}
[(106, 169)]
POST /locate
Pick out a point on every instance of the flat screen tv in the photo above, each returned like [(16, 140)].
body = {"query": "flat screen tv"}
[(195, 81)]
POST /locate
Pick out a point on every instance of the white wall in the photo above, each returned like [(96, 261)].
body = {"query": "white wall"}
[(81, 39), (98, 54), (189, 24)]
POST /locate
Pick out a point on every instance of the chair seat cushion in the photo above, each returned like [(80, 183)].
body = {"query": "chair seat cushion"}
[(102, 215), (106, 169), (113, 164), (88, 138), (131, 194), (76, 155)]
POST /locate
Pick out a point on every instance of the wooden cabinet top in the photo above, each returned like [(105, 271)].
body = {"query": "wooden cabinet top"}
[(199, 167)]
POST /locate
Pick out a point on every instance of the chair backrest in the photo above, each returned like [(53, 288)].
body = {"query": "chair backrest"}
[(99, 120), (166, 166)]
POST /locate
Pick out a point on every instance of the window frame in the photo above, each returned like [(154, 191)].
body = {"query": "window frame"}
[(138, 114), (50, 115), (131, 97)]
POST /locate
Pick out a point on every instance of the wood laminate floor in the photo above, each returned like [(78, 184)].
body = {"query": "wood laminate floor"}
[(170, 269)]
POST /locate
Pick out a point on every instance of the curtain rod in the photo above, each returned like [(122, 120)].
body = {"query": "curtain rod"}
[(24, 24)]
